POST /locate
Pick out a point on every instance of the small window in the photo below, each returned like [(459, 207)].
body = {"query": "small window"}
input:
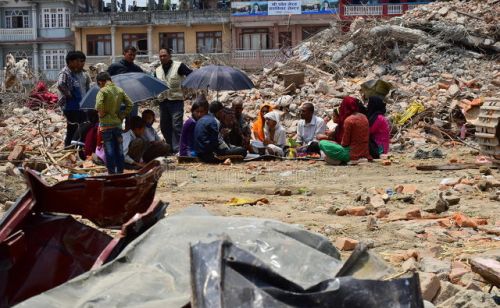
[(209, 42), (99, 45), (138, 40), (174, 41)]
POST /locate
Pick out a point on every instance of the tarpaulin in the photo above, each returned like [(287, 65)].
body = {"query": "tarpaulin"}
[(224, 275), (155, 269)]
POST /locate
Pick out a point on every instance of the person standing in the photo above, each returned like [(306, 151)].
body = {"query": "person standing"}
[(108, 102), (125, 65), (172, 108), (73, 83)]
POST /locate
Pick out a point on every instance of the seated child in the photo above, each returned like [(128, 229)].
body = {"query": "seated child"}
[(198, 110), (136, 150)]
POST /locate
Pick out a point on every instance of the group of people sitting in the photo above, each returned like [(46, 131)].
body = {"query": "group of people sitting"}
[(361, 132), (215, 131)]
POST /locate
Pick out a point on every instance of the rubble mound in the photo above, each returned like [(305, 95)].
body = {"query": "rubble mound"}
[(443, 55)]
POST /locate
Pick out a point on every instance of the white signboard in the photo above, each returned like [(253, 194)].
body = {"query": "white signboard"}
[(284, 7)]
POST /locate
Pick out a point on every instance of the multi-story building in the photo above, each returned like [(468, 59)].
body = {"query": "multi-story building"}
[(39, 31), (102, 35)]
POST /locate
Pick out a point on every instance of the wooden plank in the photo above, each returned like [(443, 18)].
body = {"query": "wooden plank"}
[(450, 167), (488, 268)]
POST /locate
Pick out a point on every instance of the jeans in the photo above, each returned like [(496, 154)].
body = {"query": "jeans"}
[(73, 120), (113, 148), (171, 116)]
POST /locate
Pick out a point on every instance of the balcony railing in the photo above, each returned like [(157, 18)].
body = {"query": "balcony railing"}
[(395, 9), (241, 58), (19, 34), (386, 9), (152, 17), (363, 10)]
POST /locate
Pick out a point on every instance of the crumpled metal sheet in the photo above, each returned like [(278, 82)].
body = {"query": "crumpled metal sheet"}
[(40, 250), (154, 270), (224, 275)]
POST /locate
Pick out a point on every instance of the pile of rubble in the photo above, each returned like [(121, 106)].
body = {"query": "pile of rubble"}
[(443, 55), (34, 139)]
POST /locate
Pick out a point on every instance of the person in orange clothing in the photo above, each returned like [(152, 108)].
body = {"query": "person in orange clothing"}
[(258, 125)]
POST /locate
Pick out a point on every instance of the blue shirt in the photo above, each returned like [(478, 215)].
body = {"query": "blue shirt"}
[(206, 135)]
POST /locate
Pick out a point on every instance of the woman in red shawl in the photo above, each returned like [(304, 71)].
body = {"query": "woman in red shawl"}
[(351, 136)]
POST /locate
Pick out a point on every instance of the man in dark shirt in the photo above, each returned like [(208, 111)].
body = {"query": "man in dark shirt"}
[(208, 140), (172, 106), (125, 65), (241, 133)]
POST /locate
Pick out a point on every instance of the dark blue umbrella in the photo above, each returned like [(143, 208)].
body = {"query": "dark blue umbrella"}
[(138, 86), (218, 78)]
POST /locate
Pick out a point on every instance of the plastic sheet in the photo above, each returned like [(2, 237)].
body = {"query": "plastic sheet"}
[(155, 269), (224, 275)]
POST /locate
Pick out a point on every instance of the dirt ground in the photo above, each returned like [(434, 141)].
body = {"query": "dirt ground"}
[(318, 189)]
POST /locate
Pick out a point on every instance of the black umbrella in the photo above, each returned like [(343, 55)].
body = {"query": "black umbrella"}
[(218, 78), (138, 86)]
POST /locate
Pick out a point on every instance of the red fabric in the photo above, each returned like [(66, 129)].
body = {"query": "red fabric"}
[(356, 136), (348, 106), (41, 97), (92, 140)]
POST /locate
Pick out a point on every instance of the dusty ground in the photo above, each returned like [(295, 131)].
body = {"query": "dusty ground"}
[(319, 188)]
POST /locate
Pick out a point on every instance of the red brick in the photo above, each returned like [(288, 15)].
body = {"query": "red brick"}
[(430, 285), (16, 153), (386, 162), (345, 244), (357, 211), (413, 214)]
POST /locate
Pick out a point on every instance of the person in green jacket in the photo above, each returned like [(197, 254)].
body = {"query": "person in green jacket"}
[(108, 105)]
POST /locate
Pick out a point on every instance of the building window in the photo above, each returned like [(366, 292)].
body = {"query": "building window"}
[(54, 59), (17, 19), (174, 41), (99, 45), (55, 18), (255, 39), (209, 42), (138, 40), (307, 32)]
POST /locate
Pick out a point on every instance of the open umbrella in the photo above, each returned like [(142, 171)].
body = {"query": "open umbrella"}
[(138, 86), (218, 78)]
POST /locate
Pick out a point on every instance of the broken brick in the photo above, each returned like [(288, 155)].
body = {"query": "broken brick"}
[(386, 162), (413, 214), (430, 285), (357, 211), (16, 153), (345, 244), (464, 221)]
